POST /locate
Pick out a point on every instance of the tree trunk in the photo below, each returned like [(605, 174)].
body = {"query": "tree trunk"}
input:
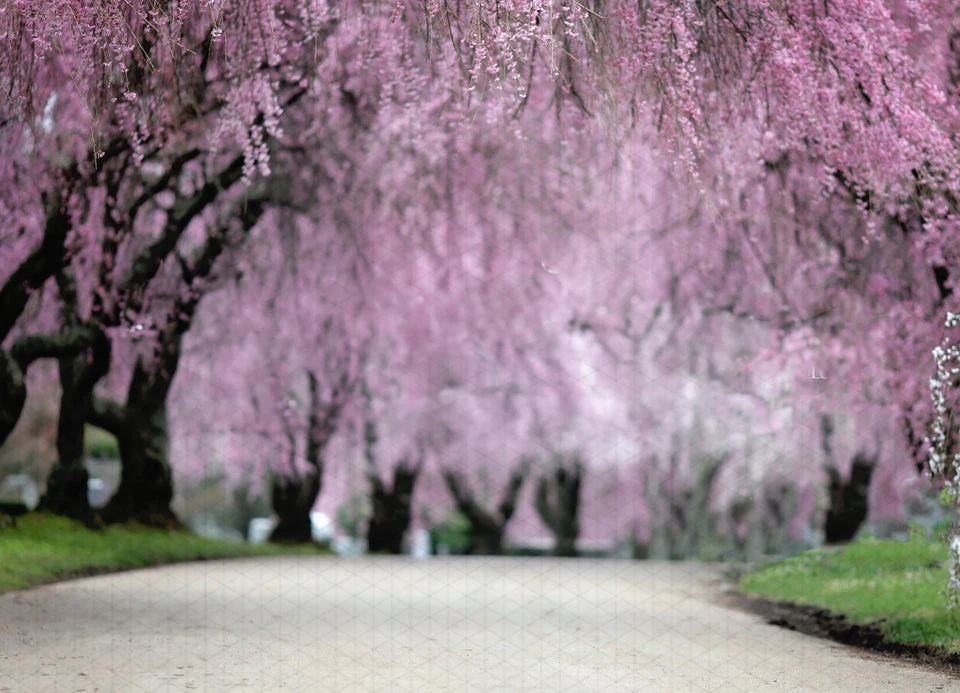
[(680, 508), (755, 545), (26, 350), (739, 514), (9, 512), (781, 504), (13, 394), (558, 505), (294, 496), (658, 548), (31, 274), (67, 483), (638, 550), (146, 482), (697, 520), (487, 529), (392, 512), (486, 541), (849, 501), (146, 479), (293, 500)]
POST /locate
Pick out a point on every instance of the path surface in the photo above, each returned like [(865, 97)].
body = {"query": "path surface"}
[(473, 625)]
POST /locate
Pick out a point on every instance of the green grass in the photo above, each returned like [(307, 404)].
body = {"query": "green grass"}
[(43, 549), (896, 585)]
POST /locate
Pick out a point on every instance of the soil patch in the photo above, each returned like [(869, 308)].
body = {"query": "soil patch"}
[(824, 624)]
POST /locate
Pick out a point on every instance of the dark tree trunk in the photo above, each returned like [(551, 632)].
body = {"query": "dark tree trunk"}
[(486, 540), (696, 518), (739, 514), (141, 429), (45, 261), (13, 394), (146, 479), (639, 551), (658, 545), (558, 504), (392, 511), (26, 350), (849, 500), (942, 276), (487, 529), (293, 497), (67, 483), (293, 500), (680, 508), (9, 512), (66, 492), (781, 503)]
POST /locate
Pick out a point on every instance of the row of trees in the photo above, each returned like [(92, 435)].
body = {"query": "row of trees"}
[(477, 238)]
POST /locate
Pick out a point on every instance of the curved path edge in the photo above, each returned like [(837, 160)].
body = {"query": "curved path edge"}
[(822, 623)]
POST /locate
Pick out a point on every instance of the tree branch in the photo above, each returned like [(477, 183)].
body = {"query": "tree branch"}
[(28, 349), (108, 415), (463, 497), (508, 504), (41, 264), (148, 263)]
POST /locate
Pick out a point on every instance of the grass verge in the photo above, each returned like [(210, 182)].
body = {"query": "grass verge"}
[(891, 588), (42, 549)]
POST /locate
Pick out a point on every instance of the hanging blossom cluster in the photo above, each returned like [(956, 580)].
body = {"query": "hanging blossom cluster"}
[(944, 463), (502, 39), (251, 116)]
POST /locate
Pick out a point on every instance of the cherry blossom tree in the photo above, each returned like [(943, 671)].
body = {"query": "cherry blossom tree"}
[(150, 137), (314, 333), (809, 191), (166, 144)]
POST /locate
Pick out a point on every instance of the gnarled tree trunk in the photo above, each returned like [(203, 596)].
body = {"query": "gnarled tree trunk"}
[(658, 546), (487, 529), (66, 492), (558, 504), (695, 514), (293, 500), (781, 503), (849, 500), (391, 510), (32, 273), (146, 488), (13, 394), (293, 497), (67, 483), (145, 492)]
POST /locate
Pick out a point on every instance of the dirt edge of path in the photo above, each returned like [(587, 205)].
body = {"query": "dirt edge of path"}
[(821, 623)]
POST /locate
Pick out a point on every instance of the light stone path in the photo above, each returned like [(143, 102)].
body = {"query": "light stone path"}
[(384, 625)]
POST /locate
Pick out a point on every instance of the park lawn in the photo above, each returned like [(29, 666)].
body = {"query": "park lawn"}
[(43, 549), (897, 586)]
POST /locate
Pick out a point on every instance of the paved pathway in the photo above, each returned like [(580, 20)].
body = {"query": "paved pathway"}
[(391, 625)]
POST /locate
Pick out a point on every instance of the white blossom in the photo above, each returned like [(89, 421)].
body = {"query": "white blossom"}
[(946, 357)]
